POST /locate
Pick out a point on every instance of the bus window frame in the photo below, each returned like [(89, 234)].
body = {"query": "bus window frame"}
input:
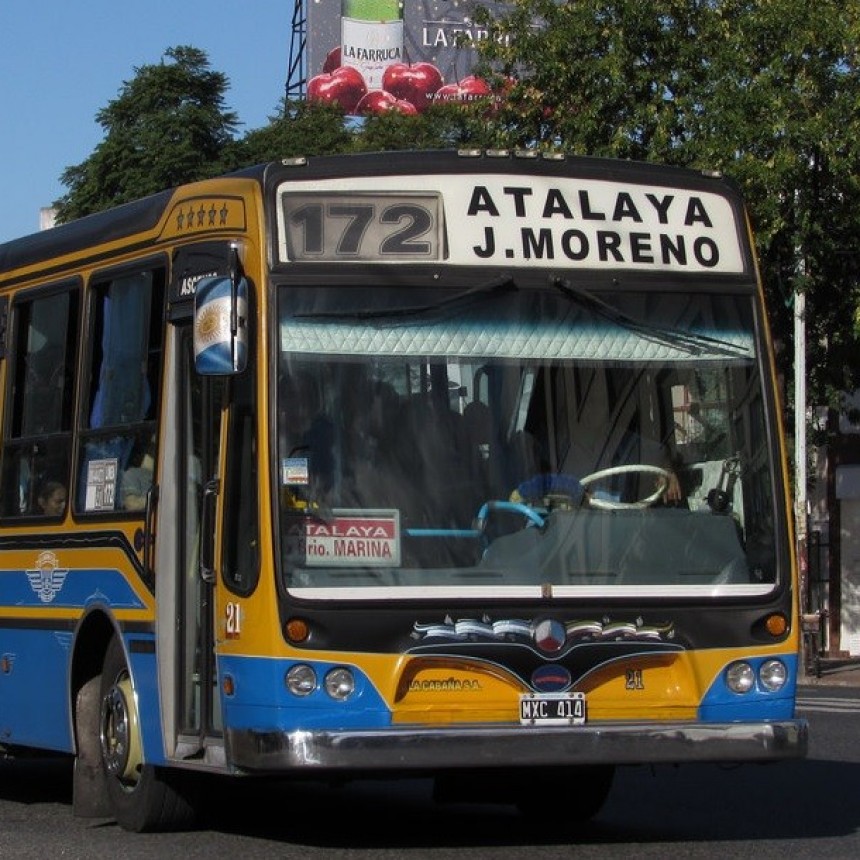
[(235, 482), (13, 405), (96, 281)]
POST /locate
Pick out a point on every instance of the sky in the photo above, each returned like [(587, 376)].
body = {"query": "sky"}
[(62, 61)]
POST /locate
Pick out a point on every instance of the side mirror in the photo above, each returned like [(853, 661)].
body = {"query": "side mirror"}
[(221, 326)]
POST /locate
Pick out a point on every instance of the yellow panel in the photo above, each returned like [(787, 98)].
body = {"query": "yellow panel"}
[(198, 215), (657, 688), (440, 690)]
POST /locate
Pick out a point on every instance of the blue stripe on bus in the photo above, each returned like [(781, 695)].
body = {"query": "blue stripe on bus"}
[(720, 704), (143, 666), (65, 588), (261, 700), (34, 701)]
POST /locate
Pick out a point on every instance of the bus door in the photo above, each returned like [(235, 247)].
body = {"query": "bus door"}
[(190, 469), (190, 441)]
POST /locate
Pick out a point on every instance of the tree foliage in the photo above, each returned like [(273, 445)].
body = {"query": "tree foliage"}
[(299, 128), (441, 126), (766, 91), (167, 125), (305, 128)]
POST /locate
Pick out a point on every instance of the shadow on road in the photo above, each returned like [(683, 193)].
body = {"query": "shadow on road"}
[(806, 799)]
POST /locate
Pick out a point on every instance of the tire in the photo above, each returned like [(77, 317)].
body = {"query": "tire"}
[(143, 798)]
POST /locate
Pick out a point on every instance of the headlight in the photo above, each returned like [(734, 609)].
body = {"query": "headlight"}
[(340, 683), (740, 677), (301, 680), (773, 675)]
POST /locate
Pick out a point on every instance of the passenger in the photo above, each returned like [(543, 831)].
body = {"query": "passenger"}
[(52, 499), (134, 487)]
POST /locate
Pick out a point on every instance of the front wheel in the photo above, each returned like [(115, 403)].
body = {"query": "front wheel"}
[(142, 797)]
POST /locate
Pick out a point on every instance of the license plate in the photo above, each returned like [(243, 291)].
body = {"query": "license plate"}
[(552, 709)]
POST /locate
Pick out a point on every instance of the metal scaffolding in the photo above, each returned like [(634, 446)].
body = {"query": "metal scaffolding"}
[(297, 60)]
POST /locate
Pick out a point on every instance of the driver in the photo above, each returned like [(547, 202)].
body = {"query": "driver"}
[(543, 487), (672, 494), (662, 455)]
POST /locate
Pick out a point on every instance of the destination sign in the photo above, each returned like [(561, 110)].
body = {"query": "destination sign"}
[(348, 538), (511, 220)]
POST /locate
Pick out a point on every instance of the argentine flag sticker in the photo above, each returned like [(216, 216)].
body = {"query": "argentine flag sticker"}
[(218, 348)]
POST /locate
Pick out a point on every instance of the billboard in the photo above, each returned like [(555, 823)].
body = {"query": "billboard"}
[(375, 55)]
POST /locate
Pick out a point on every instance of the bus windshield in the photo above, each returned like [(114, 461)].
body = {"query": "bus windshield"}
[(529, 440)]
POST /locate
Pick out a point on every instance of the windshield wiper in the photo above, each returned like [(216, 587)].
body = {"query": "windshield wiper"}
[(459, 301), (693, 343)]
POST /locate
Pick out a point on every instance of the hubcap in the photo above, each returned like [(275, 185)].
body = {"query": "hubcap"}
[(120, 732)]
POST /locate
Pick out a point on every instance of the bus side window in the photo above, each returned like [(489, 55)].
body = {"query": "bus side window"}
[(118, 435), (38, 438), (241, 556)]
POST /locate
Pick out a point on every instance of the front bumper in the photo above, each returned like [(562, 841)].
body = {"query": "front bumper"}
[(436, 749)]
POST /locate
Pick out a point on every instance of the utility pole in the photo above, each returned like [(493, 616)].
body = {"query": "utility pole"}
[(800, 477), (810, 616)]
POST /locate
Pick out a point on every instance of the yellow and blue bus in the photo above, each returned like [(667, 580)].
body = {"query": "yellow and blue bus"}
[(457, 464)]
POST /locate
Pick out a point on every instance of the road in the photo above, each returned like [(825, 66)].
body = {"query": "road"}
[(808, 808)]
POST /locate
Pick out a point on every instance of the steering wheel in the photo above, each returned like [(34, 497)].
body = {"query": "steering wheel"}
[(633, 468)]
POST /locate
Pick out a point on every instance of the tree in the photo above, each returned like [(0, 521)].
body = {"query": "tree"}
[(300, 128), (783, 121), (766, 91), (168, 125), (441, 126), (761, 90)]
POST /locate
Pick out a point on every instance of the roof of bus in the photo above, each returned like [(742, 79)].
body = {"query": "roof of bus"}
[(143, 215), (113, 224), (100, 227), (500, 161)]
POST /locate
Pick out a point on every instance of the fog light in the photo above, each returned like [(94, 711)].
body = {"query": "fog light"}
[(340, 683), (740, 677), (773, 675), (301, 680)]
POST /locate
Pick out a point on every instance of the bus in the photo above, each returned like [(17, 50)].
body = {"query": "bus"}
[(462, 465)]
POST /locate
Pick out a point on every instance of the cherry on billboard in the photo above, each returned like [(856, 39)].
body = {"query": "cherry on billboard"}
[(372, 56)]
